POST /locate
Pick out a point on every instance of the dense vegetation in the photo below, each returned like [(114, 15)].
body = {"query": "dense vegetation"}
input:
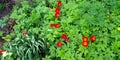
[(34, 38)]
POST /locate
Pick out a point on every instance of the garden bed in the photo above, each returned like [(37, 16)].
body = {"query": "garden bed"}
[(62, 30)]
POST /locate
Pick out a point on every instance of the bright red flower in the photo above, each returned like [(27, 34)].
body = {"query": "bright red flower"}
[(1, 51), (52, 25), (57, 10), (65, 37), (92, 38), (59, 44), (57, 15), (84, 38), (59, 3), (57, 25), (85, 43)]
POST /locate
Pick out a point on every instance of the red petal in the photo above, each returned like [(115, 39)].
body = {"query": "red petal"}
[(52, 25), (1, 51), (57, 15), (92, 38), (64, 36), (84, 38), (85, 43), (57, 10), (57, 25), (59, 3), (67, 39)]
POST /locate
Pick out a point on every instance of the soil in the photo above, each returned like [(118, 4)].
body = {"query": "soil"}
[(4, 12), (7, 9)]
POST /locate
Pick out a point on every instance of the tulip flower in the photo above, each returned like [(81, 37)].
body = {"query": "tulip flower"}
[(57, 10), (59, 3), (57, 25), (84, 38), (92, 38), (65, 37), (57, 15), (52, 25), (59, 44), (85, 43)]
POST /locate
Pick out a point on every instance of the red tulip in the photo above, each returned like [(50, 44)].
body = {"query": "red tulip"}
[(1, 51), (52, 25), (59, 3), (65, 37), (57, 25), (92, 38), (84, 38), (85, 43), (57, 10), (59, 44), (57, 15)]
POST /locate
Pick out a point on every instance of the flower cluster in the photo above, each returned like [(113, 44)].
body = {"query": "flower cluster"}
[(57, 10), (64, 36), (85, 40), (57, 15)]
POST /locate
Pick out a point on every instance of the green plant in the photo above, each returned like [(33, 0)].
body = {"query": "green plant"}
[(78, 18), (3, 21), (1, 33), (29, 45)]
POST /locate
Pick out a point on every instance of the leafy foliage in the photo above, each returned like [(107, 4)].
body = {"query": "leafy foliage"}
[(33, 45), (78, 18)]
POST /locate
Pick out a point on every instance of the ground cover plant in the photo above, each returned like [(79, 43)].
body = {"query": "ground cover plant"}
[(64, 30)]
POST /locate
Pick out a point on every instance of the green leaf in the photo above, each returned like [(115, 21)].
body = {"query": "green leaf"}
[(1, 33)]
